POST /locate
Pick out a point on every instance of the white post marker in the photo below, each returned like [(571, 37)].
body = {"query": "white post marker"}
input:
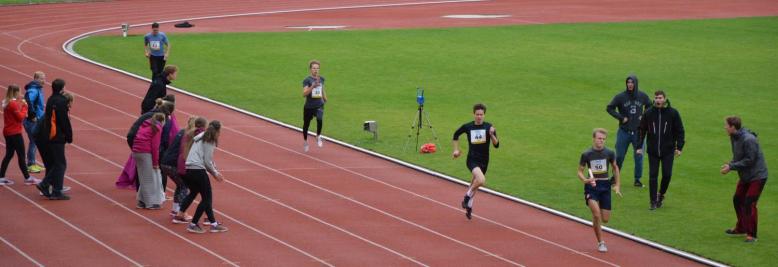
[(125, 29)]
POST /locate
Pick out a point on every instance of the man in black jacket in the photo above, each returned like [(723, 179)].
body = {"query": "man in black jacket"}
[(52, 135), (158, 88), (664, 128), (630, 104), (748, 161)]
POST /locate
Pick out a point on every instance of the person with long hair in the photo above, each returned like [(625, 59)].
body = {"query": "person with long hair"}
[(14, 112), (145, 152), (199, 163)]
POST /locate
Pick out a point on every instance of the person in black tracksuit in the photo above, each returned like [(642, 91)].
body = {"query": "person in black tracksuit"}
[(52, 135), (479, 134), (666, 138), (158, 88), (631, 103)]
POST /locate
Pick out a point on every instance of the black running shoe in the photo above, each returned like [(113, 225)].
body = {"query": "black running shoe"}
[(59, 197), (653, 206), (468, 213), (638, 184), (733, 232), (659, 201), (465, 201)]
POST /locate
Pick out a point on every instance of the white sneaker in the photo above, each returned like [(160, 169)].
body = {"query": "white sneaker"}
[(6, 181), (31, 181), (305, 146), (65, 188), (601, 247), (319, 141)]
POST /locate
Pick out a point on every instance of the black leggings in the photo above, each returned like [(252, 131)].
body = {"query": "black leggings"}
[(653, 173), (308, 114), (14, 143), (198, 183)]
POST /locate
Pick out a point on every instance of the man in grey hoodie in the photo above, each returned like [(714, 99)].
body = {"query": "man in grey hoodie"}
[(748, 161), (627, 107)]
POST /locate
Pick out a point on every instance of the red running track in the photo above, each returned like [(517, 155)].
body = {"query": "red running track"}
[(332, 206)]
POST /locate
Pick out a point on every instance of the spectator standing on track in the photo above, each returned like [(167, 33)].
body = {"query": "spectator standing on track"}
[(33, 94), (315, 98), (169, 131), (53, 133), (186, 144), (479, 135), (748, 161), (128, 177), (169, 164), (158, 88), (630, 104), (145, 152), (199, 163), (157, 49), (666, 138), (597, 187), (14, 112)]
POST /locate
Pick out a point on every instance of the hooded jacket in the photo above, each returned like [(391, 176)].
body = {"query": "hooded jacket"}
[(147, 140), (33, 94), (747, 157), (630, 104), (201, 155), (664, 129), (56, 124)]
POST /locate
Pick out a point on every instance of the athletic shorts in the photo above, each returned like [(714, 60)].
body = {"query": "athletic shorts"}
[(471, 164), (600, 193)]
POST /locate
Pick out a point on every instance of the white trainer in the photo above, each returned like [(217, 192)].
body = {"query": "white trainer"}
[(601, 247)]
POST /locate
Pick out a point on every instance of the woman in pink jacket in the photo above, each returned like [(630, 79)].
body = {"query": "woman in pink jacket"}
[(145, 152)]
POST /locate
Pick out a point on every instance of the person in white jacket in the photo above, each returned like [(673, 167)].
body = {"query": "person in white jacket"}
[(199, 163)]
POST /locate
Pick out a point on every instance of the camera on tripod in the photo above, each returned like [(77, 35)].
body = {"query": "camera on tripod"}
[(419, 120), (420, 96)]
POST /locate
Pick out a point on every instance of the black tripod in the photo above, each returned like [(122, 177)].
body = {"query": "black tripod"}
[(418, 123)]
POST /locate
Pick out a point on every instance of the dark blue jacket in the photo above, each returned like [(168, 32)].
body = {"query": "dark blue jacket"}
[(630, 104)]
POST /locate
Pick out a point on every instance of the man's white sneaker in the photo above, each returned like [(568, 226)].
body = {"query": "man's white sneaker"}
[(319, 141), (305, 147)]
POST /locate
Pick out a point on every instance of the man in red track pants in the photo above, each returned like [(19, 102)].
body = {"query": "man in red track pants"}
[(748, 161)]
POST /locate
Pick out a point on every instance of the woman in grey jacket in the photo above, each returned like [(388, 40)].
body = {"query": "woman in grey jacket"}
[(199, 163)]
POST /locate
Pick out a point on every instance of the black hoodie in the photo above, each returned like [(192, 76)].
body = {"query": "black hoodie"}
[(56, 124), (630, 104), (157, 89), (747, 157), (664, 129)]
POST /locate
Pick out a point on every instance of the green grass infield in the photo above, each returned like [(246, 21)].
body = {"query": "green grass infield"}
[(546, 88)]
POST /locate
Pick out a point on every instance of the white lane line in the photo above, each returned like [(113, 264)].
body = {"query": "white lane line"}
[(223, 214), (21, 252), (66, 222), (67, 47), (331, 192), (266, 198)]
